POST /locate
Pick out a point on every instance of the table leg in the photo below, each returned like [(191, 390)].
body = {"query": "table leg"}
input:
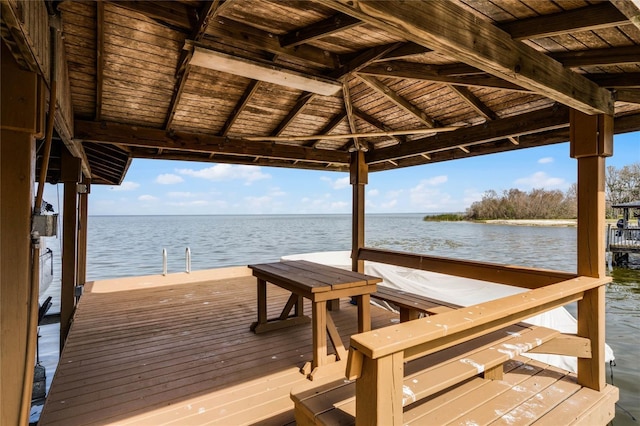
[(262, 301), (319, 325), (364, 312)]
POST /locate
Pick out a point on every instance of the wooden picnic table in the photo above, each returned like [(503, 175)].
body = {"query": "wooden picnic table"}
[(318, 283)]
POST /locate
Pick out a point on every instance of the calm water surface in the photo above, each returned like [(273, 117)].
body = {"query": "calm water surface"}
[(132, 245)]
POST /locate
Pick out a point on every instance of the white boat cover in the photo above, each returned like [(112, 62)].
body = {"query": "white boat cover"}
[(460, 291)]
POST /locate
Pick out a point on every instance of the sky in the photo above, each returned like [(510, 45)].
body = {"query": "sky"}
[(160, 187)]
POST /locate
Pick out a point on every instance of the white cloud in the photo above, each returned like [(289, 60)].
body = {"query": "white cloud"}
[(193, 203), (545, 160), (178, 194), (373, 193), (221, 172), (541, 180), (147, 197), (427, 197), (436, 180), (339, 205), (389, 204), (339, 183), (169, 179), (125, 186), (276, 192)]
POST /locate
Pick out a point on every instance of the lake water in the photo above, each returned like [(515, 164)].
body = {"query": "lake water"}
[(121, 246)]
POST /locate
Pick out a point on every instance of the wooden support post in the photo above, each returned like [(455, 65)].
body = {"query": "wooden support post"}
[(82, 232), (70, 175), (359, 178), (21, 109), (378, 401), (591, 142)]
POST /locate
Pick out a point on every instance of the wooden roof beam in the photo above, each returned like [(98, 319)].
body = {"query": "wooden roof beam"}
[(603, 15), (326, 27), (228, 29), (436, 73), (352, 122), (628, 95), (629, 123), (240, 106), (137, 136), (303, 100), (630, 9), (208, 12), (537, 121), (627, 80), (99, 58), (609, 56), (329, 127), (444, 26), (386, 91), (475, 103), (377, 124)]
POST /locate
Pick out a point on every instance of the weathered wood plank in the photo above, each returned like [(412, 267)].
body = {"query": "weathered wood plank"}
[(441, 26)]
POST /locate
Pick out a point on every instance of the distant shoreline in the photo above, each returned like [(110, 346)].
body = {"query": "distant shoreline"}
[(532, 222)]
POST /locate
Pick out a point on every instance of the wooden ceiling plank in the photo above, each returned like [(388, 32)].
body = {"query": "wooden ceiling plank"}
[(329, 127), (587, 18), (326, 27), (435, 73), (240, 106), (386, 91), (445, 26), (99, 58), (377, 124), (537, 121), (592, 57), (206, 14), (137, 136)]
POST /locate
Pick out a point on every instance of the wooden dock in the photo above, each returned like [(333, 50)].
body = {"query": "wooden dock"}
[(178, 350), (162, 350)]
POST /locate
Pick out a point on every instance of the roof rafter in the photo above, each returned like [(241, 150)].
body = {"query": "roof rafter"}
[(377, 124), (625, 80), (474, 102), (326, 27), (444, 27), (242, 103), (630, 9), (435, 73), (99, 57), (207, 13), (391, 95), (591, 57), (328, 128), (587, 18), (537, 121)]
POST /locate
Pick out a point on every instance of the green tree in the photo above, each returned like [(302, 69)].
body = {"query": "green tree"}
[(622, 185)]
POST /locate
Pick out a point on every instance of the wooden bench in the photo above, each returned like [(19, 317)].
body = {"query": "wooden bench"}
[(463, 364), (411, 305)]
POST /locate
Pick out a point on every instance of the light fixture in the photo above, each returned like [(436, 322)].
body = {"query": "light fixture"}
[(257, 70)]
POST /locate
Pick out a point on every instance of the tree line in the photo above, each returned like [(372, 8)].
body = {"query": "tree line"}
[(621, 186)]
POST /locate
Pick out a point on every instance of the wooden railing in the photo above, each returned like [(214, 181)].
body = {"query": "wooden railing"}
[(376, 358), (623, 239), (501, 274)]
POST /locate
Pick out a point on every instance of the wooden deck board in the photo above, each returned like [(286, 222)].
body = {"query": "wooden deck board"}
[(183, 353)]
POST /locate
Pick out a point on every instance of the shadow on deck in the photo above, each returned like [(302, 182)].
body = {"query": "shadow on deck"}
[(178, 350)]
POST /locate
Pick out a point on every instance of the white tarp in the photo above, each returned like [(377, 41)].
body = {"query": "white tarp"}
[(460, 291)]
